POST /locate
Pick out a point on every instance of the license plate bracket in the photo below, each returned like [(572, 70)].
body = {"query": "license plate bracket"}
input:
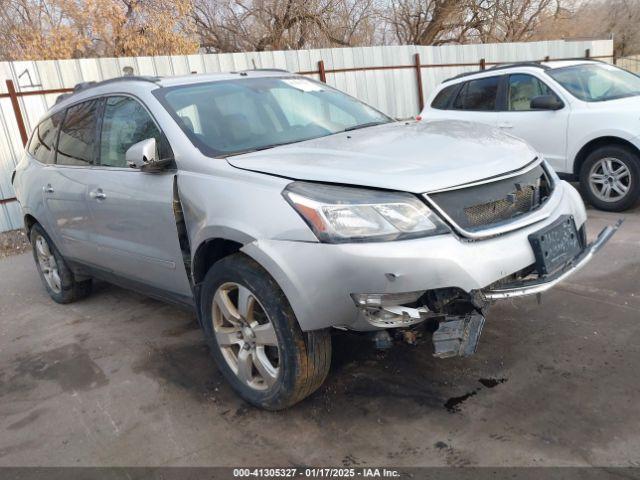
[(555, 245)]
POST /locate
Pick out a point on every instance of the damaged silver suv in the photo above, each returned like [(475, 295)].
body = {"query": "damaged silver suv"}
[(278, 208)]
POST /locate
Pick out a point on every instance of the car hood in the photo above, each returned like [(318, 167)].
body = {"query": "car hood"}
[(626, 104), (406, 156)]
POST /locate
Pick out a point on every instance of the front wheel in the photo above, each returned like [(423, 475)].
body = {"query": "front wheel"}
[(610, 178), (255, 338)]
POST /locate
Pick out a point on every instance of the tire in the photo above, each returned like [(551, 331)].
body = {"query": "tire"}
[(597, 173), (61, 286), (267, 376)]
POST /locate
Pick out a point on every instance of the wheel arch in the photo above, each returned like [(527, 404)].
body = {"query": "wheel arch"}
[(214, 249), (596, 143), (29, 221), (209, 252)]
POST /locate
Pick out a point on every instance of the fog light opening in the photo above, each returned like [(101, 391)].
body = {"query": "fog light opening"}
[(391, 310)]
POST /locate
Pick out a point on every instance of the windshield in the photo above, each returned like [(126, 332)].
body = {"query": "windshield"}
[(236, 116), (597, 83)]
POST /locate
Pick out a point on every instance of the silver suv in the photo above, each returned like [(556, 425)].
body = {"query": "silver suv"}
[(278, 207)]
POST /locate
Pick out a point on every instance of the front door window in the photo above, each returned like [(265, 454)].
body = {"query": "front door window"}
[(522, 89)]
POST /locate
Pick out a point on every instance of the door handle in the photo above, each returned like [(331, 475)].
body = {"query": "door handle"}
[(97, 194), (505, 126), (48, 188)]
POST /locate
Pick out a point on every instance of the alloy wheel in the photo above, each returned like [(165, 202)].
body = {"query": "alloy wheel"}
[(246, 336), (609, 179), (48, 264)]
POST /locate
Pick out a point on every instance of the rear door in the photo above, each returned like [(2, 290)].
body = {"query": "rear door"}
[(474, 101), (545, 130), (65, 191), (41, 149), (133, 222)]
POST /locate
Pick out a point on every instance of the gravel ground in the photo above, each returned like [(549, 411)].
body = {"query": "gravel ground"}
[(13, 243)]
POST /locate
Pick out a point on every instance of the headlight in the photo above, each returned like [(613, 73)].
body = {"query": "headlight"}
[(342, 214)]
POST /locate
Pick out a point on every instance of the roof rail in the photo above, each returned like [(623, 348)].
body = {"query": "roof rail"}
[(80, 87), (127, 78), (268, 70), (574, 59), (520, 64), (245, 72), (500, 66)]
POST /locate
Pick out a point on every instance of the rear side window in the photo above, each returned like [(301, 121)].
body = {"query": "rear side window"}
[(126, 122), (43, 141), (478, 95), (77, 144), (443, 98)]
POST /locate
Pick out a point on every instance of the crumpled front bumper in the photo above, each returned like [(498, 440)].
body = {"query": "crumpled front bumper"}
[(536, 286), (319, 279)]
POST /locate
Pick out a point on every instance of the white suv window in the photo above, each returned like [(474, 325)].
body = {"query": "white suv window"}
[(522, 88), (478, 95), (443, 98)]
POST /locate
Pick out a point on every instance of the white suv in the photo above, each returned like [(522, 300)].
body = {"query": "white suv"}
[(582, 115)]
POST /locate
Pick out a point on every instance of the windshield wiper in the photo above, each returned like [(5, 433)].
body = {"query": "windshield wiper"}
[(363, 125)]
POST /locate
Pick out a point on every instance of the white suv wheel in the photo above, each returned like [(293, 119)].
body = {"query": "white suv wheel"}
[(609, 179)]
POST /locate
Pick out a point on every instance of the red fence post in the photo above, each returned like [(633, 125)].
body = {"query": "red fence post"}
[(483, 64), (16, 110), (416, 59), (323, 76)]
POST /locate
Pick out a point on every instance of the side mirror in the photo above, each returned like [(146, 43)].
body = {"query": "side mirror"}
[(141, 154), (546, 102)]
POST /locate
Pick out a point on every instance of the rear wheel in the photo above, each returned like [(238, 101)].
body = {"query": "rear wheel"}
[(57, 278), (610, 178), (255, 338)]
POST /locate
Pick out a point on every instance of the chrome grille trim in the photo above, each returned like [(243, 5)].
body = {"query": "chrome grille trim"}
[(529, 166)]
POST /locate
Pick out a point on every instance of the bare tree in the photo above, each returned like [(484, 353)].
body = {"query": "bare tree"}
[(41, 29), (240, 25), (620, 18), (46, 29), (512, 20), (425, 22), (596, 19), (433, 22)]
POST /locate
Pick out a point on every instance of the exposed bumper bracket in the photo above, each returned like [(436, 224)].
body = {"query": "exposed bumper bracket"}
[(540, 285), (457, 336)]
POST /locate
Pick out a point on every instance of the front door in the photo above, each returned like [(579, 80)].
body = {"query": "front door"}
[(134, 227), (545, 130)]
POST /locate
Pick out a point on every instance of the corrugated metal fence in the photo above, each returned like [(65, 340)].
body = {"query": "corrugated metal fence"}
[(394, 79)]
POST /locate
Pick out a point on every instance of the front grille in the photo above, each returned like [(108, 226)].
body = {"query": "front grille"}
[(488, 204), (491, 212)]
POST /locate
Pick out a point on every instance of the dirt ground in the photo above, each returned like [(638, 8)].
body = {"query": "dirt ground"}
[(120, 379), (13, 242)]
